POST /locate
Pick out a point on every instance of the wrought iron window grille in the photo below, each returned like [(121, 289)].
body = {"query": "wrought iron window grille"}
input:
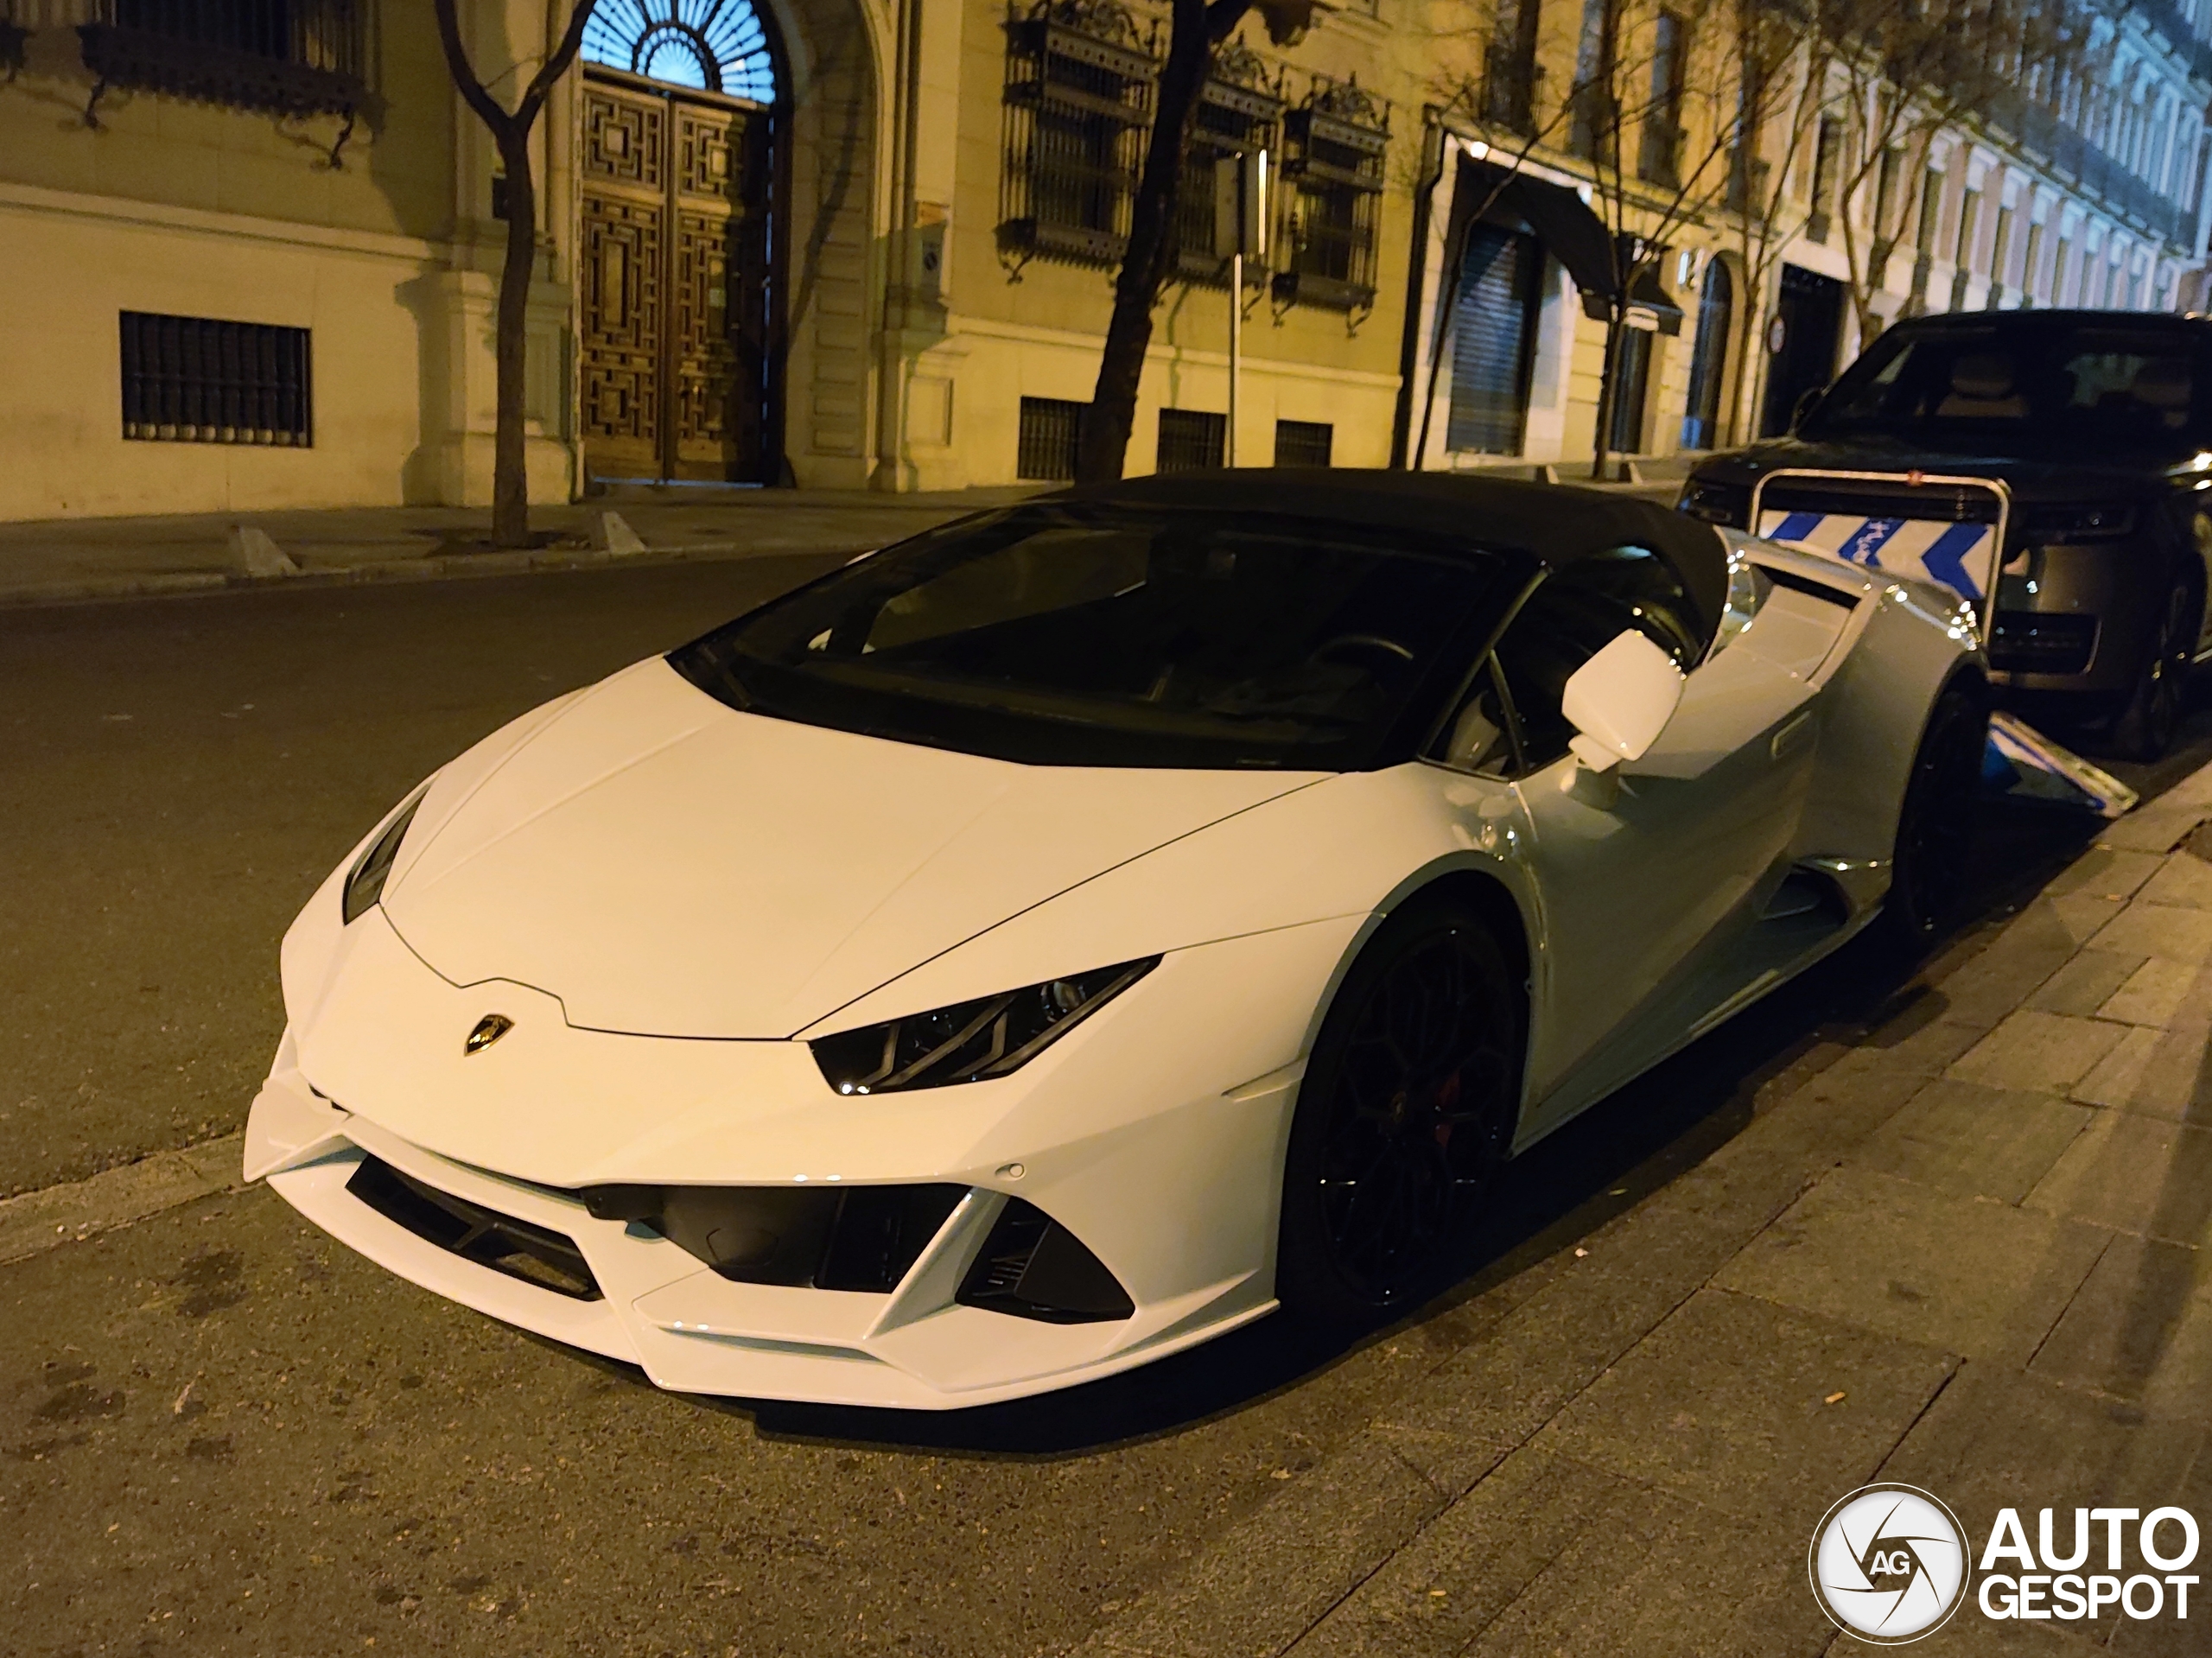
[(1050, 436), (1192, 439), (1080, 80), (1332, 196), (201, 380), (291, 58), (1240, 110)]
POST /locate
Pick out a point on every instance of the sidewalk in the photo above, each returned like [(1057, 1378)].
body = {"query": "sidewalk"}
[(1964, 1255), (61, 560)]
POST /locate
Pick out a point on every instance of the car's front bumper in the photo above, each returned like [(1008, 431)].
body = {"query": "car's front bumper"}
[(1153, 1136), (693, 1332)]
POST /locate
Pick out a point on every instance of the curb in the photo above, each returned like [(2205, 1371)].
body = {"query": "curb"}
[(33, 1221), (431, 568)]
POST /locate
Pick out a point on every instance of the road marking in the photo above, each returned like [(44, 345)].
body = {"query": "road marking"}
[(35, 1222)]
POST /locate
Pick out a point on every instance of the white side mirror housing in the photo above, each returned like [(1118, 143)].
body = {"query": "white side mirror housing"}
[(1620, 700)]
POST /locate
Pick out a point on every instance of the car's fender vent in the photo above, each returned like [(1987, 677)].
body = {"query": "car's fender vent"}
[(533, 1253), (1033, 1268)]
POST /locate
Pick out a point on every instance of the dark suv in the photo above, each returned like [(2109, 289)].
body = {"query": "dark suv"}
[(2067, 453)]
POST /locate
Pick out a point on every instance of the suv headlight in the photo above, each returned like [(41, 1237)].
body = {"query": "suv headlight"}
[(365, 884), (1717, 503), (971, 1041)]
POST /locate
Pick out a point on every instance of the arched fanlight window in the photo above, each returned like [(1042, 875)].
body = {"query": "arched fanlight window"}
[(717, 45)]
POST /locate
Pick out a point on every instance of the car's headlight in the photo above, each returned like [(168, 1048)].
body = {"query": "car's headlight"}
[(365, 884), (971, 1041)]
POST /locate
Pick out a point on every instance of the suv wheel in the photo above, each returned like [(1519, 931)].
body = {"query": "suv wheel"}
[(2144, 729)]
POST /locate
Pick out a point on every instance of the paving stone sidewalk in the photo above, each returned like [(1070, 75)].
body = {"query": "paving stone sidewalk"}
[(1966, 1255), (68, 560)]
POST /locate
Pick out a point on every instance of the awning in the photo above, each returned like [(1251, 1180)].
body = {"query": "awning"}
[(1647, 293), (1575, 236)]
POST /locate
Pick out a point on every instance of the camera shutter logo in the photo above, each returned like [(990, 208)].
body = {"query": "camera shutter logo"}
[(1889, 1564)]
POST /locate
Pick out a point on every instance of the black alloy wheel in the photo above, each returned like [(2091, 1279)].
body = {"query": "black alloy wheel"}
[(1934, 856), (2144, 729), (1405, 1111)]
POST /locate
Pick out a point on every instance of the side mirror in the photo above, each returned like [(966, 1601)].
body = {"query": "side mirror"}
[(1620, 700), (1807, 401)]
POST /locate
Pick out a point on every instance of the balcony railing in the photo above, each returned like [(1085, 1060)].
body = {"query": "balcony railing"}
[(290, 57)]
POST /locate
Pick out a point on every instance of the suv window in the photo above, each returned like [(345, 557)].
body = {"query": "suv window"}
[(2100, 386), (1575, 613)]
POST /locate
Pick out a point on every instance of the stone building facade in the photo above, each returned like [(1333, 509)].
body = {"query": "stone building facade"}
[(250, 247)]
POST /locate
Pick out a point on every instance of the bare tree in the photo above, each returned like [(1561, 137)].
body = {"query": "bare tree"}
[(510, 133), (1197, 28), (1639, 79), (1914, 68), (1787, 89)]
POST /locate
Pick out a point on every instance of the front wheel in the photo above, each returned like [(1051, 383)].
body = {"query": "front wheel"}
[(1407, 1110), (2145, 727), (1935, 823)]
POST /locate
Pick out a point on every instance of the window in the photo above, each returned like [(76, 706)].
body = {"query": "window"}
[(1827, 156), (2031, 284), (1192, 439), (2000, 251), (1593, 129), (1931, 209), (290, 57), (1574, 614), (1333, 173), (1509, 70), (1662, 117), (1239, 113), (2021, 388), (1075, 633), (1078, 98), (197, 380), (1051, 429), (1887, 171), (718, 45), (1303, 442)]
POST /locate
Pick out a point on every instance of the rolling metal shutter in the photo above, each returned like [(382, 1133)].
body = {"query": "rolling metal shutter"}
[(1493, 329)]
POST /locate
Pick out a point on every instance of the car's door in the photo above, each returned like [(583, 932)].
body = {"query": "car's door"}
[(1641, 874)]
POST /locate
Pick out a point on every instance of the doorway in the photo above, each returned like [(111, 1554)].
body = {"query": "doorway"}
[(1801, 338), (676, 278), (1709, 358)]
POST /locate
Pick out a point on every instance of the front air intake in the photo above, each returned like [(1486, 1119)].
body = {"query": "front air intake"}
[(533, 1253), (1033, 1268)]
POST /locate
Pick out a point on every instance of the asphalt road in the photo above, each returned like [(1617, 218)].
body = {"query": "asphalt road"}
[(220, 1431)]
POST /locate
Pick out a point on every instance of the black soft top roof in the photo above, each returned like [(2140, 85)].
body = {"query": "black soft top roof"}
[(1554, 523)]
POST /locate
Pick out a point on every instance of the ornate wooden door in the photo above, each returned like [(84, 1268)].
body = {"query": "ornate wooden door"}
[(675, 275)]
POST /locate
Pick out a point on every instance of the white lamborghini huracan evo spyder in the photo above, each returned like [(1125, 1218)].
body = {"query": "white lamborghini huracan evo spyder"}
[(1060, 938)]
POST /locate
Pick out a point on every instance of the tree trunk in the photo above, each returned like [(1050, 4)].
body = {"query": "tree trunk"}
[(510, 462), (1102, 450)]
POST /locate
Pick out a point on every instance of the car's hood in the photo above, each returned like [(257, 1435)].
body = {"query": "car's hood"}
[(668, 867)]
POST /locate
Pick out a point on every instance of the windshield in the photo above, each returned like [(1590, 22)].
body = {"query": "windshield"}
[(1097, 634), (2029, 389)]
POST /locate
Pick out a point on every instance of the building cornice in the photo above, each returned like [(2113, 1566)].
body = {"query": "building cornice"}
[(201, 221)]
